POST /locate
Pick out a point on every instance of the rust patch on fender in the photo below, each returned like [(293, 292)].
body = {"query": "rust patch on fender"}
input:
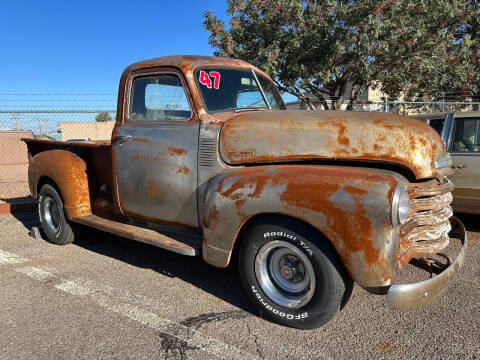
[(211, 220), (69, 172), (351, 225), (313, 189)]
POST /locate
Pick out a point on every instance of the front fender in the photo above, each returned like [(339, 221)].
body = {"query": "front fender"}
[(350, 206), (69, 173)]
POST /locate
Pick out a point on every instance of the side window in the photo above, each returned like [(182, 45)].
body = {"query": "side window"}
[(437, 124), (158, 98), (465, 135)]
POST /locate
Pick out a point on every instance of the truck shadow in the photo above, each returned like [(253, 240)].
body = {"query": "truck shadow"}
[(222, 283)]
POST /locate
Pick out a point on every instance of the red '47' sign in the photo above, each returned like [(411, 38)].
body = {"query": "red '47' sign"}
[(205, 79)]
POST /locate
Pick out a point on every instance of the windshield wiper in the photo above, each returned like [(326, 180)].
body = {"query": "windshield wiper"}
[(250, 109)]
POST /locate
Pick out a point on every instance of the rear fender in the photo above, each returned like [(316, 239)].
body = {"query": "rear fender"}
[(69, 173), (350, 206)]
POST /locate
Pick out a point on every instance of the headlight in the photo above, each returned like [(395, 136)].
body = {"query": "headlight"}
[(400, 205), (443, 160)]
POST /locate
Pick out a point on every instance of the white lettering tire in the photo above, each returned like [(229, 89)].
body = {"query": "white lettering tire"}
[(291, 273)]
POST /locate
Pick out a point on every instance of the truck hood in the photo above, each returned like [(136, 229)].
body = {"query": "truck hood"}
[(280, 136)]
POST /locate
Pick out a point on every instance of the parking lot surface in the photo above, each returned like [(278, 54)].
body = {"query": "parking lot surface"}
[(112, 298)]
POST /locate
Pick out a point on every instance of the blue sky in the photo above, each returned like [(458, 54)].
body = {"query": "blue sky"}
[(53, 46)]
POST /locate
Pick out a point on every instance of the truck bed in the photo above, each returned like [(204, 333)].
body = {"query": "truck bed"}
[(96, 154), (45, 144)]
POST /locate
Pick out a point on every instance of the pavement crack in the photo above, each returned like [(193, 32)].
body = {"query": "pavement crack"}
[(196, 322), (255, 340), (175, 348)]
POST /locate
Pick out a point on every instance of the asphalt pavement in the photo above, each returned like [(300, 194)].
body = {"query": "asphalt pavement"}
[(105, 297)]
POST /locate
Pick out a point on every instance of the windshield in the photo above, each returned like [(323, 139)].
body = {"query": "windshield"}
[(226, 89)]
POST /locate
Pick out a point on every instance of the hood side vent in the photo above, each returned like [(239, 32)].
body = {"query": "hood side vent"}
[(207, 153)]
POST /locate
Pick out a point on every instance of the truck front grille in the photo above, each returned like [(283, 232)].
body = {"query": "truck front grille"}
[(426, 231)]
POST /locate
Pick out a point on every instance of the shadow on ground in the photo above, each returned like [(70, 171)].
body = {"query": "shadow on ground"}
[(222, 283), (17, 200), (471, 221)]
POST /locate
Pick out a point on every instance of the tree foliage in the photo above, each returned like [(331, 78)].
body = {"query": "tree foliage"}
[(323, 46), (467, 53), (103, 117)]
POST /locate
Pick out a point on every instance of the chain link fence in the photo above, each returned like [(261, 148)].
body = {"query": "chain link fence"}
[(65, 124), (410, 108), (76, 122)]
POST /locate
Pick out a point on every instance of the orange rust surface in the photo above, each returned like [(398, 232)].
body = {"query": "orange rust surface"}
[(309, 191), (153, 191), (172, 150), (188, 62), (68, 172), (426, 231), (211, 220), (84, 144), (273, 136), (183, 170), (142, 140)]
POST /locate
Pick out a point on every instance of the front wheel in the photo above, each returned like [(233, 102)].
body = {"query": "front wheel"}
[(293, 276)]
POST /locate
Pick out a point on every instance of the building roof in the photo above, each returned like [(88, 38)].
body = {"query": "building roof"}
[(16, 134)]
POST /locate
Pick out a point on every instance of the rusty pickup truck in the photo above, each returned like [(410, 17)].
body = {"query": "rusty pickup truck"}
[(204, 159)]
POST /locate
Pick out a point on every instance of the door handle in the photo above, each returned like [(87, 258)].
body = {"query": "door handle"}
[(120, 139), (459, 166)]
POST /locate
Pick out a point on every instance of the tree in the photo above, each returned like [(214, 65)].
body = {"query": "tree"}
[(467, 52), (103, 117), (322, 46)]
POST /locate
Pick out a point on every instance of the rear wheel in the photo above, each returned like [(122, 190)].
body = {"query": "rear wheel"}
[(52, 218), (292, 275)]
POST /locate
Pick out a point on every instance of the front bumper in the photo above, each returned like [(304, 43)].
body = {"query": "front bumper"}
[(404, 296)]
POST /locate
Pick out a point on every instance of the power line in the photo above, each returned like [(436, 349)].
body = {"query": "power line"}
[(65, 100), (58, 94)]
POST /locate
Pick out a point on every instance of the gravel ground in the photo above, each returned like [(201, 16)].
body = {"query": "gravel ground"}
[(111, 298)]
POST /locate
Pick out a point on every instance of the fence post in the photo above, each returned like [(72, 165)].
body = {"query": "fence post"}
[(385, 105), (15, 120), (40, 127)]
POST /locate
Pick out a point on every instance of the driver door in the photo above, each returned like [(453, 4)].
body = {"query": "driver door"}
[(155, 151)]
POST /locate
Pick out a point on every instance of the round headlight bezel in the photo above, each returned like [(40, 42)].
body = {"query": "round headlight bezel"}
[(400, 205)]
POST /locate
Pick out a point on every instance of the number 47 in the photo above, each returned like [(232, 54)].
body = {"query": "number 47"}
[(204, 79)]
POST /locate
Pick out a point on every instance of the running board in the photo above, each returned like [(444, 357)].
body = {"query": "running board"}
[(185, 245)]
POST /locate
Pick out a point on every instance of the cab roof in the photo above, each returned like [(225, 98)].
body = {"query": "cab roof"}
[(189, 62)]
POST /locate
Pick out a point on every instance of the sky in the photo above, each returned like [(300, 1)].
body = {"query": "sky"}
[(70, 47)]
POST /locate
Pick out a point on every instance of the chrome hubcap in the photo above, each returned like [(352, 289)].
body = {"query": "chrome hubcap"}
[(51, 214), (285, 274)]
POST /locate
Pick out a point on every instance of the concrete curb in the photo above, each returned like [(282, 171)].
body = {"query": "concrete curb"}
[(15, 208)]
